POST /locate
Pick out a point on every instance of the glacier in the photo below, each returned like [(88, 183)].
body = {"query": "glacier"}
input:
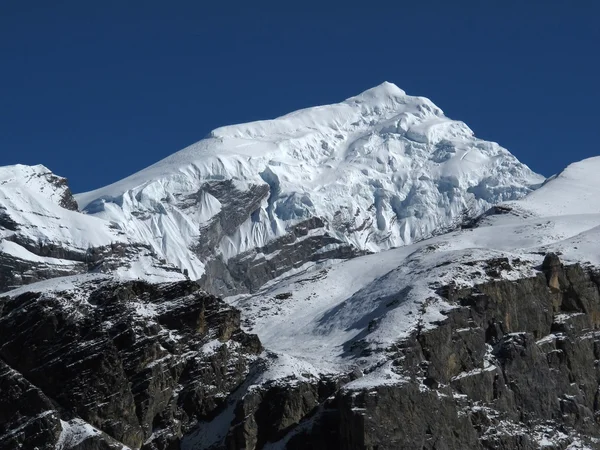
[(379, 170)]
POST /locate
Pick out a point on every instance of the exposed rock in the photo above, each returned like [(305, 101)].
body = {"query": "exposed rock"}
[(522, 353), (141, 363), (552, 268), (15, 272), (266, 413), (513, 366), (250, 270), (6, 221), (237, 208), (406, 417), (66, 200), (27, 416)]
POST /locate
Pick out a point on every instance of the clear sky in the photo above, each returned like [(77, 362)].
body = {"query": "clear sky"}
[(99, 90)]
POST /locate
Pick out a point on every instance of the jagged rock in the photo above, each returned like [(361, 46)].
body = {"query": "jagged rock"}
[(27, 416), (552, 269), (15, 272), (266, 413), (250, 270), (139, 362), (513, 364), (406, 417), (66, 200)]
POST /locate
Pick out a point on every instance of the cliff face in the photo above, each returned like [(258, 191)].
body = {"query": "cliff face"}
[(514, 365), (112, 364)]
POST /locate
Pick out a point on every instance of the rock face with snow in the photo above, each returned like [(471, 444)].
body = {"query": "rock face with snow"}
[(42, 235), (111, 364), (471, 332), (379, 170), (512, 365)]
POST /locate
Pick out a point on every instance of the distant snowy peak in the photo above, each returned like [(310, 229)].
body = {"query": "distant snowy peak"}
[(43, 235), (376, 171), (39, 181), (572, 191)]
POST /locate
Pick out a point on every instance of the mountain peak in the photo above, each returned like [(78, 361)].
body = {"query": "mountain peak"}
[(383, 91), (378, 170), (355, 114), (39, 181)]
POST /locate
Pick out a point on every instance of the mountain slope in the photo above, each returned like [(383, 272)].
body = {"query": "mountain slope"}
[(323, 310), (42, 235), (379, 170), (480, 338), (572, 191), (426, 304)]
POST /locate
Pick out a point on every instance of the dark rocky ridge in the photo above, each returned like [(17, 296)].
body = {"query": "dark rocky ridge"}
[(6, 221), (513, 365), (250, 270), (16, 272), (141, 363)]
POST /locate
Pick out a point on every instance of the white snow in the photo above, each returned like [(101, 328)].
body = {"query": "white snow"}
[(212, 346), (571, 192), (37, 179), (14, 249), (31, 200), (30, 197), (383, 168), (76, 431), (60, 284)]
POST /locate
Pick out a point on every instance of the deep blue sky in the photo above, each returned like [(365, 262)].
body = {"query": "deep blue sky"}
[(99, 90)]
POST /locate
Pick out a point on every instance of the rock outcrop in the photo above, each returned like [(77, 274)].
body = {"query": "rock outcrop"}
[(513, 366), (249, 271), (116, 363)]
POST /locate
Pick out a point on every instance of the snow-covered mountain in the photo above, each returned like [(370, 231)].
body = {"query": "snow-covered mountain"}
[(392, 282), (42, 235), (379, 170)]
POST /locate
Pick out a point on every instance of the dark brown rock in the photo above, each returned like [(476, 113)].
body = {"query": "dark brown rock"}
[(128, 358)]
